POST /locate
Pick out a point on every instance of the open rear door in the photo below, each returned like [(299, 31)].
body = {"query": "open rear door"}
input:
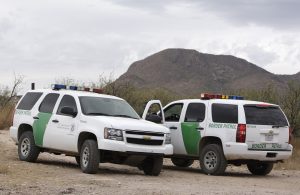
[(154, 112)]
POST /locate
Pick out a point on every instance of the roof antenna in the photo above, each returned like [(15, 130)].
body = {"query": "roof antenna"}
[(32, 86)]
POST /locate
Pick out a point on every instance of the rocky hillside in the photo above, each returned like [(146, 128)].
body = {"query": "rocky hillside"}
[(190, 72)]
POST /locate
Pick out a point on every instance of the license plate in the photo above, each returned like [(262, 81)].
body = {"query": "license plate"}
[(269, 137), (268, 146)]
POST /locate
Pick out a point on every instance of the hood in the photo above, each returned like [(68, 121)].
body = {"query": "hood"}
[(131, 124)]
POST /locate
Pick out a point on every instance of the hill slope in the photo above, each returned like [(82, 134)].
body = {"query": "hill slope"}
[(191, 72)]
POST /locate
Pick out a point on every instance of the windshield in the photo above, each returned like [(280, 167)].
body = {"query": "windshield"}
[(270, 115), (106, 107)]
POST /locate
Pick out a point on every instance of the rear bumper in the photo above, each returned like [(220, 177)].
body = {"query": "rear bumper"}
[(13, 131), (240, 151), (120, 146)]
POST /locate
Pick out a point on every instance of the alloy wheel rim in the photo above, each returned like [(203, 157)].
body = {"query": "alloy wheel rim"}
[(25, 147), (210, 160), (85, 156)]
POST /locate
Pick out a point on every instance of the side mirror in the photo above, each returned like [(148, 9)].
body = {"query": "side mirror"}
[(69, 111), (154, 118)]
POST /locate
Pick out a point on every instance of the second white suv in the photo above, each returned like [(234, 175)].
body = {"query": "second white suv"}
[(218, 131), (91, 127)]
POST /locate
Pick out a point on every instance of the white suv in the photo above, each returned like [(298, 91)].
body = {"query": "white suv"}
[(91, 127), (226, 131)]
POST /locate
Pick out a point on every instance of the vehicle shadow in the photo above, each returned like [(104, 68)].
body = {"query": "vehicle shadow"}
[(228, 173)]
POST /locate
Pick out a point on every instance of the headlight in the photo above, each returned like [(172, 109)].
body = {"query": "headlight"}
[(113, 134), (168, 138)]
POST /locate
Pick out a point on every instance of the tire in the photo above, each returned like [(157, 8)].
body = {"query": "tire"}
[(181, 162), (89, 157), (260, 168), (152, 166), (77, 158), (27, 150), (212, 160)]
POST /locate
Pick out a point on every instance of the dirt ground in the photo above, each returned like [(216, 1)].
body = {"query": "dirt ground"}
[(61, 175)]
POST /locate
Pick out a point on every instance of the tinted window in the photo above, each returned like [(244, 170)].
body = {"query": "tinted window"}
[(29, 100), (224, 113), (173, 112), (195, 112), (48, 103), (67, 101), (99, 106), (264, 115)]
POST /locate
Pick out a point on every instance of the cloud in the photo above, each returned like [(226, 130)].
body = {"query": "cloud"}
[(48, 40)]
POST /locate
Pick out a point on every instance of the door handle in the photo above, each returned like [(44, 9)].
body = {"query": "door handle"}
[(173, 128), (35, 117), (55, 121), (200, 128)]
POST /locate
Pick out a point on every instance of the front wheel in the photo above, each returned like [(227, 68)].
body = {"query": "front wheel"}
[(27, 150), (260, 168), (89, 157), (212, 160), (181, 162), (152, 165)]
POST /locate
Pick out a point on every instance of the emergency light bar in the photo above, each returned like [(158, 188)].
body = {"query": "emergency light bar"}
[(207, 96), (75, 88)]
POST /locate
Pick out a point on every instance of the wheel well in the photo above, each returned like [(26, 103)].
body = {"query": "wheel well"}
[(84, 136), (23, 128), (209, 140)]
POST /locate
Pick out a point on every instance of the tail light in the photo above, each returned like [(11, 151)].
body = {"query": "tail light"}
[(290, 135), (241, 133)]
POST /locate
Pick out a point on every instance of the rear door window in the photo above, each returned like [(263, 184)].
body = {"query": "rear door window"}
[(224, 113), (29, 100), (195, 112), (264, 115), (48, 103)]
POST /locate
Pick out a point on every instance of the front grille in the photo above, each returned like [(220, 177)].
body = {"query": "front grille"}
[(145, 133), (144, 141)]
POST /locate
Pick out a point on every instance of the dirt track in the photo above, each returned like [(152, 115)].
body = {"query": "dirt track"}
[(61, 175)]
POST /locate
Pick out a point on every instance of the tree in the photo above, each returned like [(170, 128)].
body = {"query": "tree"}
[(291, 106)]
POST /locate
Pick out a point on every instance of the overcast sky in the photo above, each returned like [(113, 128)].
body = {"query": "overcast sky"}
[(81, 39)]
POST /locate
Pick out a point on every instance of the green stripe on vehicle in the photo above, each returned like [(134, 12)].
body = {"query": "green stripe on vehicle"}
[(191, 137), (39, 127)]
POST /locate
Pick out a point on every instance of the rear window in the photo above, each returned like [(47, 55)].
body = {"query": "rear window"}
[(270, 115), (224, 113), (29, 100)]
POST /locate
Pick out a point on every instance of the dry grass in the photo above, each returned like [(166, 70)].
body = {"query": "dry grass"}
[(292, 163), (6, 115)]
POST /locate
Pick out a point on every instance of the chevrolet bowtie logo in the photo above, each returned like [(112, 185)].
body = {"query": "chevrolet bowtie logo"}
[(146, 137)]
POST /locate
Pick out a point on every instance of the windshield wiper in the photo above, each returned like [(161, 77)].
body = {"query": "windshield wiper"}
[(97, 114), (124, 115)]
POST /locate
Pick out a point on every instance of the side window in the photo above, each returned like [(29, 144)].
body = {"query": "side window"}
[(48, 103), (195, 112), (67, 101), (29, 100), (224, 113), (173, 112)]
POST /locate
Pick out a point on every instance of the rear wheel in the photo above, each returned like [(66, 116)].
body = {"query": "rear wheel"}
[(27, 149), (89, 157), (260, 168), (181, 162), (212, 160), (152, 165)]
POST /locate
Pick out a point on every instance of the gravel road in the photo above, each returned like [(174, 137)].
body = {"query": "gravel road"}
[(61, 175)]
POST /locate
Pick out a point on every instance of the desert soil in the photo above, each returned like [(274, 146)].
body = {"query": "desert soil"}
[(61, 175)]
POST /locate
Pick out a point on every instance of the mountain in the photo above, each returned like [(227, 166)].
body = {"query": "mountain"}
[(190, 72)]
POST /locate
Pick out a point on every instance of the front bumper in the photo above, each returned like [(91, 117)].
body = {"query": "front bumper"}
[(121, 146), (13, 131), (240, 151)]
